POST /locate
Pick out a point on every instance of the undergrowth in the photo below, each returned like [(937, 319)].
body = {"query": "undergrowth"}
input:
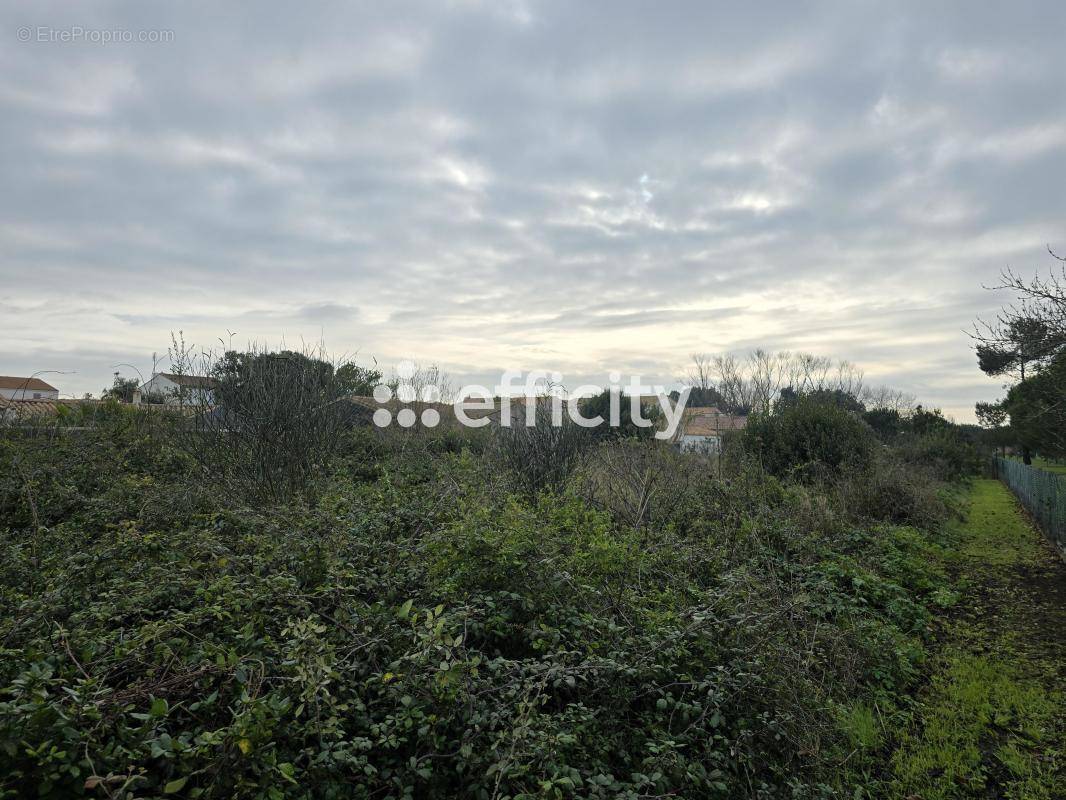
[(423, 628)]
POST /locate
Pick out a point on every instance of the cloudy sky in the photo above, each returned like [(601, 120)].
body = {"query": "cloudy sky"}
[(575, 186)]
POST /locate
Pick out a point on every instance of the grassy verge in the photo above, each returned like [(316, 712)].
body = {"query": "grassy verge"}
[(1057, 467), (1051, 466), (991, 722)]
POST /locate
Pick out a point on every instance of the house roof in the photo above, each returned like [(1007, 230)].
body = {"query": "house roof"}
[(29, 384), (31, 408), (190, 381), (709, 422)]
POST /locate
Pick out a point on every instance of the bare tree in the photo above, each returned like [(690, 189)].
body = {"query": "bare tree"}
[(753, 383), (425, 382), (701, 373), (767, 375), (732, 384), (848, 379), (888, 399), (633, 479), (542, 452), (807, 372)]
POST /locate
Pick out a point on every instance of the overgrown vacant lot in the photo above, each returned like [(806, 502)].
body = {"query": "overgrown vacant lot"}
[(417, 627)]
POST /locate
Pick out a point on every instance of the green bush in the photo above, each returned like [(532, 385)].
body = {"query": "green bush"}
[(947, 456), (808, 440)]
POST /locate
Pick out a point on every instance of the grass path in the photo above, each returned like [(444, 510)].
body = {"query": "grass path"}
[(991, 722)]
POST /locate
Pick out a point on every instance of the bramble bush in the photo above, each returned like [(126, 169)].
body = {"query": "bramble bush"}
[(420, 626)]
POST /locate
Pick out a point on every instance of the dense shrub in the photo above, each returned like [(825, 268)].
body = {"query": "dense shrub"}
[(809, 440), (943, 453), (270, 425), (887, 423), (601, 405), (896, 492), (541, 457), (423, 628)]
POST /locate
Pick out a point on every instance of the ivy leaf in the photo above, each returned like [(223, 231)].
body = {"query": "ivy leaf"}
[(175, 785)]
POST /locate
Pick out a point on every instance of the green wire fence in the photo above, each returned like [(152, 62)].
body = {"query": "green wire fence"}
[(1042, 493)]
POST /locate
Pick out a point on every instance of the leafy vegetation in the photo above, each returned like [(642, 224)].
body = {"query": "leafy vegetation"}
[(121, 389), (429, 621), (807, 438), (272, 420)]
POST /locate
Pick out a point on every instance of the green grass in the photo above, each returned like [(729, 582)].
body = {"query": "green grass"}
[(862, 726), (995, 534), (1050, 466), (991, 721), (984, 726)]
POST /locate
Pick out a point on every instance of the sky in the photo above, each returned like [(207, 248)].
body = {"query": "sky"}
[(579, 187)]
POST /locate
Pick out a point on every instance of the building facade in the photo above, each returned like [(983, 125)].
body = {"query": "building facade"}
[(172, 389), (16, 388)]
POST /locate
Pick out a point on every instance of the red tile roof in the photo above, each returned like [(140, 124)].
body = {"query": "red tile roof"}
[(29, 384), (709, 422)]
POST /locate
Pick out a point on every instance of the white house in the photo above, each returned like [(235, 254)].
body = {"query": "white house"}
[(194, 390), (12, 388), (702, 430)]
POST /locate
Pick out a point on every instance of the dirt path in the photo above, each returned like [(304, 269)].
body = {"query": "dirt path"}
[(992, 721)]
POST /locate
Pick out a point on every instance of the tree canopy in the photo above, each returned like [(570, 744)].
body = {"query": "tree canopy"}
[(121, 389), (1027, 340)]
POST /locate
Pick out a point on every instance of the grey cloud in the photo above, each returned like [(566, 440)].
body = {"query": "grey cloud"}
[(495, 183)]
